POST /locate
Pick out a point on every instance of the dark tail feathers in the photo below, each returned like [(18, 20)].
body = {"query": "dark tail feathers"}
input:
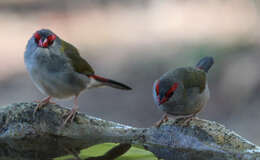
[(111, 83), (205, 63)]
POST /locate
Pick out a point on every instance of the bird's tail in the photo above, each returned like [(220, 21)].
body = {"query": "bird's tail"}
[(97, 81), (205, 63)]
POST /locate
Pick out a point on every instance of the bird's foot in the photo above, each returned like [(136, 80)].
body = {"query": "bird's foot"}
[(185, 121), (73, 112), (42, 104), (161, 121), (71, 116), (188, 120)]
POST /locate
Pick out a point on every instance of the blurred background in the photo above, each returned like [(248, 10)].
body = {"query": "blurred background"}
[(135, 42)]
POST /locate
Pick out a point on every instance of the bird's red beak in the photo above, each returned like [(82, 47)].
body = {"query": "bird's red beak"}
[(43, 44)]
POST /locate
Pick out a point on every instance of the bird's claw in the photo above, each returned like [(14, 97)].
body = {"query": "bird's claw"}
[(161, 121), (38, 107), (185, 121), (70, 117), (42, 104), (38, 101)]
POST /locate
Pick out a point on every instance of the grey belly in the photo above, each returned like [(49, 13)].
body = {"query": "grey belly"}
[(59, 84)]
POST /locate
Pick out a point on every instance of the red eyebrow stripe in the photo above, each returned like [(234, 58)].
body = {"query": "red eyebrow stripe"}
[(51, 37), (173, 88), (157, 87), (37, 36), (163, 100)]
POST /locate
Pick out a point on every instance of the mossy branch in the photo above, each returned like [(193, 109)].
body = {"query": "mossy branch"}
[(23, 136)]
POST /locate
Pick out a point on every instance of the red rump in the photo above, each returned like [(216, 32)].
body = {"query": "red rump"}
[(99, 78)]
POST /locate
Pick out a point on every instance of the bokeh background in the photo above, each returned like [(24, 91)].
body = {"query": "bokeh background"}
[(135, 42)]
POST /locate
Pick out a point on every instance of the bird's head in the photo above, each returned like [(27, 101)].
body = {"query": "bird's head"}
[(164, 90), (44, 38)]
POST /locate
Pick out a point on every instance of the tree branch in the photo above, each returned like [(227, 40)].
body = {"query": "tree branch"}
[(23, 136)]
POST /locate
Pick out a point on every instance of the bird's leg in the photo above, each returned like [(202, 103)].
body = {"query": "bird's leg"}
[(187, 120), (162, 120), (73, 111), (42, 103)]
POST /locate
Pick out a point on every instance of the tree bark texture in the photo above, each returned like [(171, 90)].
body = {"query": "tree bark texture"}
[(27, 137)]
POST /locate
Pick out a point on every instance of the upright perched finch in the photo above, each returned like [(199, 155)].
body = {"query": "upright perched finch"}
[(183, 92), (58, 70)]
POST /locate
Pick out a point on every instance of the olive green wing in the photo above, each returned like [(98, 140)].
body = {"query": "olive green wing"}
[(194, 78), (79, 64)]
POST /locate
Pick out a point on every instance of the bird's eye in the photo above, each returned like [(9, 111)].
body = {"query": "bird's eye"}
[(37, 36), (170, 92), (51, 38)]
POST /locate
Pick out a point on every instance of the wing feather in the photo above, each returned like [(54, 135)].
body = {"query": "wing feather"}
[(79, 64), (194, 78)]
